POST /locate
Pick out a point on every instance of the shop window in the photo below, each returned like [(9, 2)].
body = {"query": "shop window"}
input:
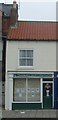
[(27, 90), (26, 58), (34, 90), (20, 90)]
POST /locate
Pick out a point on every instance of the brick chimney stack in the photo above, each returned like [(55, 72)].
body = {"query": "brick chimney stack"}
[(13, 14)]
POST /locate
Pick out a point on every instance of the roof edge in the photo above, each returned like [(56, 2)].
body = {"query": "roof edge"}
[(32, 39), (37, 21)]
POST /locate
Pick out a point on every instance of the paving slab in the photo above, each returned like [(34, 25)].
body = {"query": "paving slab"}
[(56, 113), (45, 114), (32, 114), (39, 114), (29, 114), (52, 113), (25, 114), (10, 114)]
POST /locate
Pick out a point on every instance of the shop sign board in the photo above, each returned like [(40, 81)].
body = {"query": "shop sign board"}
[(32, 75)]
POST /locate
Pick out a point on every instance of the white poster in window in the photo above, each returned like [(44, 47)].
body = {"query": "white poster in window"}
[(22, 90), (33, 92), (20, 95), (37, 90), (17, 90), (28, 90)]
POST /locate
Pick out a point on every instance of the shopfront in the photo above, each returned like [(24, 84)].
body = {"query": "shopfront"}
[(32, 90)]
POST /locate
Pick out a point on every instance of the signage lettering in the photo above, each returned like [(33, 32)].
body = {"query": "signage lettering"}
[(32, 75)]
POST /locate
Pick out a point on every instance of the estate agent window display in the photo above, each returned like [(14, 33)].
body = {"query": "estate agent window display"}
[(27, 90)]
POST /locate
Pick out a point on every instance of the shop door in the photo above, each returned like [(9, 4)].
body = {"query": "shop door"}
[(47, 95)]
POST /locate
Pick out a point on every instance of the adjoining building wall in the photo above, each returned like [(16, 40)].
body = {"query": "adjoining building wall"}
[(56, 56), (1, 48), (5, 10), (0, 83)]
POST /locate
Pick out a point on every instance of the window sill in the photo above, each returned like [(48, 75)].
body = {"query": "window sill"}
[(25, 68), (26, 102)]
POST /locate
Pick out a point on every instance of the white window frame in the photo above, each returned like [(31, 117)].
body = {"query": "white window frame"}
[(25, 66)]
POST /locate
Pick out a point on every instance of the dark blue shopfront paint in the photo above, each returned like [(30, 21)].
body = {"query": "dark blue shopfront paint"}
[(55, 90)]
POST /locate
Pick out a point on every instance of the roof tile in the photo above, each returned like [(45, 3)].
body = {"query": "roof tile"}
[(34, 30)]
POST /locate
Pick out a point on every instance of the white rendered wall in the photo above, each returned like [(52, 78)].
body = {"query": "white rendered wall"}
[(44, 55)]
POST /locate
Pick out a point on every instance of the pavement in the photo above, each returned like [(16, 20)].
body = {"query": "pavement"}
[(29, 113)]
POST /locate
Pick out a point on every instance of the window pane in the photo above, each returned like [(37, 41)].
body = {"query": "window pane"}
[(20, 90), (29, 62), (26, 58), (22, 53), (22, 62), (34, 93), (29, 53)]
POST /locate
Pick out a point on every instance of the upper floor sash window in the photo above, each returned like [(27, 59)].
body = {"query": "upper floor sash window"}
[(26, 58)]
